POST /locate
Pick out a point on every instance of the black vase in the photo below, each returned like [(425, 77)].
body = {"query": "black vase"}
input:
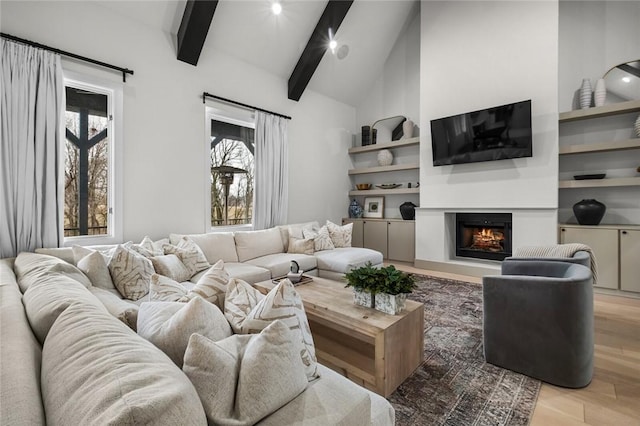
[(589, 212), (408, 210)]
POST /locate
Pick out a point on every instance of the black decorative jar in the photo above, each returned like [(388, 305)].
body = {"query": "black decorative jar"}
[(408, 210), (589, 212)]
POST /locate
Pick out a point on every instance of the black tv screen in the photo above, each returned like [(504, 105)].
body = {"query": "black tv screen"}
[(489, 134)]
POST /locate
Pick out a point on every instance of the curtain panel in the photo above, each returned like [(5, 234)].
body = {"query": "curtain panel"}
[(31, 107), (271, 194)]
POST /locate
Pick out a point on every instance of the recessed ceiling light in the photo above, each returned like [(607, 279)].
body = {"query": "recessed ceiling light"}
[(332, 45), (626, 79), (276, 8)]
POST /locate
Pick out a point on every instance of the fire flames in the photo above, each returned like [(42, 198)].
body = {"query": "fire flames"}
[(487, 239)]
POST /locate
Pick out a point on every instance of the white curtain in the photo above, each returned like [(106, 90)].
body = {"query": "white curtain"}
[(271, 192), (31, 93)]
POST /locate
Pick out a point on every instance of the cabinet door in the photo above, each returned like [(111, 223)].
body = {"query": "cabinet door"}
[(375, 236), (604, 243), (402, 237), (356, 232), (629, 260)]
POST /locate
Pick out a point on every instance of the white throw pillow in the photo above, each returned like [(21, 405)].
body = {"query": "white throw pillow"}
[(94, 265), (130, 272), (249, 313), (340, 235), (301, 246), (242, 379), (321, 238), (171, 266), (168, 325), (164, 289), (148, 248), (190, 254)]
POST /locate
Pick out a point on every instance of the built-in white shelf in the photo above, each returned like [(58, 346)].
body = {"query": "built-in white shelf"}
[(601, 111), (378, 169), (596, 183), (386, 145), (600, 147), (395, 191)]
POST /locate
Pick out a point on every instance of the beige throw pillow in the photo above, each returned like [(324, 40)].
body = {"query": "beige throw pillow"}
[(248, 311), (340, 235), (130, 272), (171, 266), (148, 248), (168, 325), (190, 254), (321, 238), (242, 379), (94, 265), (301, 245), (164, 289)]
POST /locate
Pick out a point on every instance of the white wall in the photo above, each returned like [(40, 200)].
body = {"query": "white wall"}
[(475, 55), (164, 172), (595, 36)]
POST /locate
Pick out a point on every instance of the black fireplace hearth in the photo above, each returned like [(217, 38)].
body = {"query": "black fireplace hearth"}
[(483, 235)]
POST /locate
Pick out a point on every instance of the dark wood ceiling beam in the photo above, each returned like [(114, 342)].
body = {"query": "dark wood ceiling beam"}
[(194, 27), (312, 54)]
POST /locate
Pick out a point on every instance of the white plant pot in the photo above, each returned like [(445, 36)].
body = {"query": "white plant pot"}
[(385, 157), (585, 94), (600, 93), (391, 304), (364, 298)]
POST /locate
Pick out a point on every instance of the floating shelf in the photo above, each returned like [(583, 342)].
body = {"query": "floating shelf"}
[(601, 111), (595, 183), (600, 147), (396, 191), (379, 169), (386, 145)]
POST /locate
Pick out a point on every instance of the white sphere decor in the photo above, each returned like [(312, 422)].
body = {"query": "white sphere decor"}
[(385, 157)]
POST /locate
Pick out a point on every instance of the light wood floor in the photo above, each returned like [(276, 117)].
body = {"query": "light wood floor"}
[(613, 397)]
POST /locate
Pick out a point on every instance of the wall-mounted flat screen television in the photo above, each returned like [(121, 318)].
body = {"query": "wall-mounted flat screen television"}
[(495, 133)]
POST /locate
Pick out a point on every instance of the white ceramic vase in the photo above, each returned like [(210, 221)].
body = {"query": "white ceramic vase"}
[(407, 129), (585, 94), (385, 157), (636, 127), (600, 93)]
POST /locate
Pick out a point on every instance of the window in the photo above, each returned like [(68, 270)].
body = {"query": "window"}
[(232, 172), (89, 162)]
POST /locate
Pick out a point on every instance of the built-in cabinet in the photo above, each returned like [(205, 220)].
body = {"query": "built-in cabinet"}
[(394, 238), (616, 248)]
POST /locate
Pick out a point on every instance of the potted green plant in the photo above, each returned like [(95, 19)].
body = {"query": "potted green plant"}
[(365, 281), (392, 290)]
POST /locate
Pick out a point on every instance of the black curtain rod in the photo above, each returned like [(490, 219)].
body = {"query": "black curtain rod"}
[(124, 71), (209, 95)]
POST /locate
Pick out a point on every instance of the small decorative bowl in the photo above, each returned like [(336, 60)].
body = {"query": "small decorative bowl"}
[(363, 186)]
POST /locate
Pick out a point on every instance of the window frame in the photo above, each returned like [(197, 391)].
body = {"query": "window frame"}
[(231, 115), (114, 92)]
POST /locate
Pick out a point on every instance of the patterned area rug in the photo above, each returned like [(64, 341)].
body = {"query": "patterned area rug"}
[(454, 386)]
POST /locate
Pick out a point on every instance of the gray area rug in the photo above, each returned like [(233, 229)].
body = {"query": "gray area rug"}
[(454, 386)]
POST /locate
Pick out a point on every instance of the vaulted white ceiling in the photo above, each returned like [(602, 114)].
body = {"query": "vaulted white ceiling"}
[(249, 31)]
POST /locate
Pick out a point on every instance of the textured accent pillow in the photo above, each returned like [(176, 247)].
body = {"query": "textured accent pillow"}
[(281, 303), (148, 248), (168, 325), (130, 272), (212, 286), (301, 246), (164, 289), (340, 235), (321, 238), (242, 379), (240, 298), (190, 254), (171, 266), (94, 265)]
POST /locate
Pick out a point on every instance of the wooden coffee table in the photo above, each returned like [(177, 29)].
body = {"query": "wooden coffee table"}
[(376, 350)]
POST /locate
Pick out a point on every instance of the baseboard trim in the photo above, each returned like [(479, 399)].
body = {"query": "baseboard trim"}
[(457, 268)]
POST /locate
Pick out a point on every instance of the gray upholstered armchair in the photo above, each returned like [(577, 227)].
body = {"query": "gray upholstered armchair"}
[(538, 320)]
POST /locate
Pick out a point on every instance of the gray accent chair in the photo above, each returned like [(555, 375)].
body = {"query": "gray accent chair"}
[(538, 320)]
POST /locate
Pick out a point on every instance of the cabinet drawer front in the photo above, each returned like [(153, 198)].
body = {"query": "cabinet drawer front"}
[(604, 243), (630, 260)]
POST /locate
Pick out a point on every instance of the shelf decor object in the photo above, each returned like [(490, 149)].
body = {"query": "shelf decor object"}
[(600, 93), (355, 210), (389, 185), (374, 207), (407, 129), (385, 157), (585, 94), (590, 176), (636, 126), (408, 210), (589, 212)]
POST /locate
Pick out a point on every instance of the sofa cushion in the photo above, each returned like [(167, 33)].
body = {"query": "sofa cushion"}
[(123, 309), (20, 357), (94, 265), (280, 263), (171, 266), (243, 271), (189, 253), (168, 325), (343, 260), (130, 272), (215, 246), (252, 244), (34, 266), (95, 370), (301, 246), (321, 239), (331, 400), (243, 379), (340, 235)]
